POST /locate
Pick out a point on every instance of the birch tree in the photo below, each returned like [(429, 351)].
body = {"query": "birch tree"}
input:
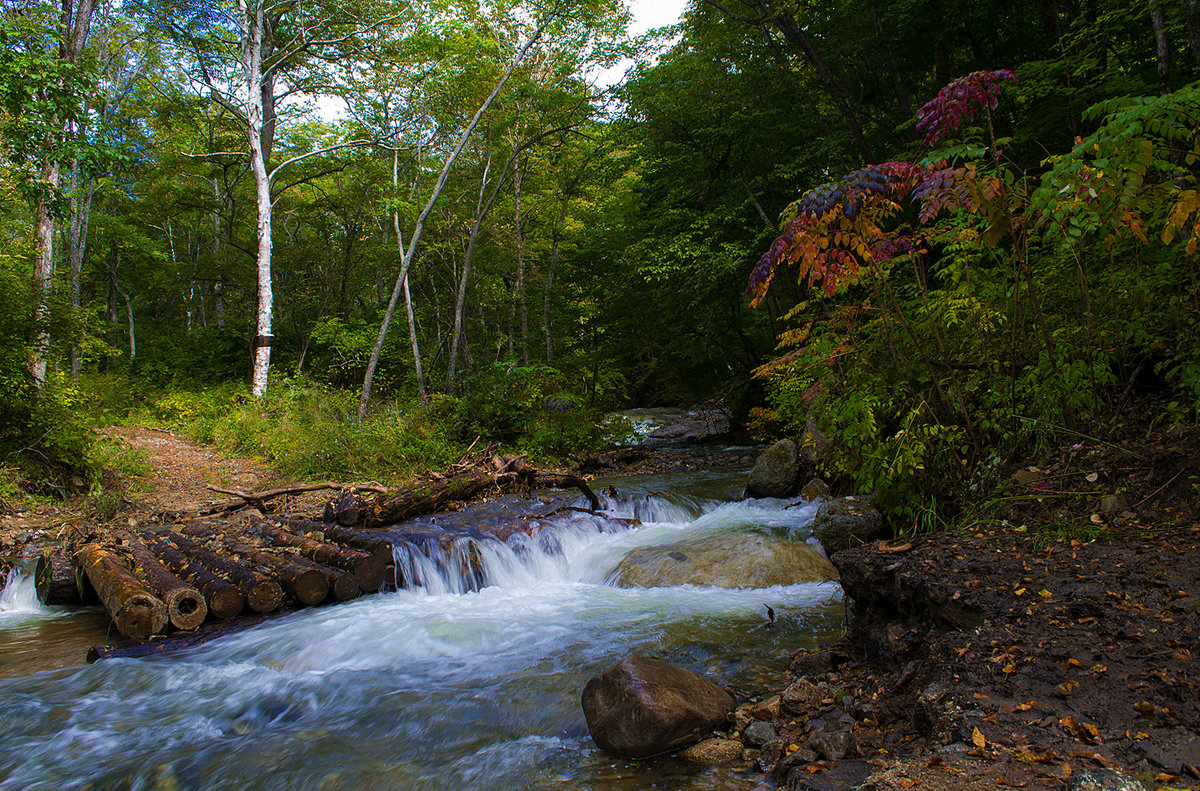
[(42, 81), (249, 56)]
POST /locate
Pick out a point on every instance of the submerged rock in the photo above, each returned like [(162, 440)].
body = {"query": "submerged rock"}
[(1102, 780), (775, 472), (846, 522), (759, 733), (641, 707), (740, 560), (713, 751)]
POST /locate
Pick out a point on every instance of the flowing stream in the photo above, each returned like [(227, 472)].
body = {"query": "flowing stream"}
[(471, 680)]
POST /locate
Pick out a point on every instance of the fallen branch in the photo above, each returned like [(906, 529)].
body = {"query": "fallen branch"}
[(259, 497)]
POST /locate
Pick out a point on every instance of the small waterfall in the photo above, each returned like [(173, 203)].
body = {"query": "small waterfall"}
[(19, 597)]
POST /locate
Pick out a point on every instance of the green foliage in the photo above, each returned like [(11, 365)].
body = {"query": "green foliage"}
[(308, 430), (528, 405), (1014, 316)]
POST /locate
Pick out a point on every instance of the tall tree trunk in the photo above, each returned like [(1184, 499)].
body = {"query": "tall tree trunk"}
[(81, 208), (551, 271), (44, 278), (408, 306), (75, 22), (1193, 30), (522, 306), (365, 397), (252, 50), (1162, 44), (460, 301)]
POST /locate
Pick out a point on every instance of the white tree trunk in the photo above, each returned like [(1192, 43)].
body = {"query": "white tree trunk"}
[(418, 369), (44, 279), (364, 399), (252, 45)]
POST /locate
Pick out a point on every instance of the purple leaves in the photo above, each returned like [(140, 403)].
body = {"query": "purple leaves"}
[(961, 100)]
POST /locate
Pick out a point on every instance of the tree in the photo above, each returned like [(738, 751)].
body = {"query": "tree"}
[(273, 39), (41, 83)]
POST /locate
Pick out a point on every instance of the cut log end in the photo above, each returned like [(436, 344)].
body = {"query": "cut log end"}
[(186, 608), (140, 616), (309, 587), (226, 602), (264, 596)]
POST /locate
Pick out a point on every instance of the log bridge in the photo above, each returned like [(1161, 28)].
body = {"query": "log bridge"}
[(161, 586)]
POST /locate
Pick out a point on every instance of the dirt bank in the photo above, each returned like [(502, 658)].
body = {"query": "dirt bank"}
[(1057, 632)]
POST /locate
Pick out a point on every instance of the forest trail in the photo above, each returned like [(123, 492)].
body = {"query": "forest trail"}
[(181, 471)]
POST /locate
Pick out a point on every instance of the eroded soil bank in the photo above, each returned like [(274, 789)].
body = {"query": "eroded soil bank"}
[(1055, 634)]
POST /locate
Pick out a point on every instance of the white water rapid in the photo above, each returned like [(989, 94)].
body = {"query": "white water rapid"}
[(469, 680)]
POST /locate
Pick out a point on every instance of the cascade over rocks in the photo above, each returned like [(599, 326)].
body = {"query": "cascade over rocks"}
[(641, 707), (740, 560), (846, 522), (776, 471)]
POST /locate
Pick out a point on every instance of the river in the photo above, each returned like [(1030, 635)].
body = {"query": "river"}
[(461, 683)]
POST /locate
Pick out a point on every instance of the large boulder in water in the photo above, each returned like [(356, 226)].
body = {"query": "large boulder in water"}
[(776, 470), (847, 522), (641, 707), (737, 560)]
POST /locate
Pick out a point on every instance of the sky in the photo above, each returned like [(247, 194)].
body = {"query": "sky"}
[(647, 14)]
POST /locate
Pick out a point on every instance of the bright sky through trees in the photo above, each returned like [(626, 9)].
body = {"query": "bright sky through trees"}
[(647, 15)]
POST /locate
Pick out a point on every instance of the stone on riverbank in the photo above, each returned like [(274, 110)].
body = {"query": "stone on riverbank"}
[(775, 471), (740, 560), (1103, 780), (713, 751), (641, 707), (847, 522)]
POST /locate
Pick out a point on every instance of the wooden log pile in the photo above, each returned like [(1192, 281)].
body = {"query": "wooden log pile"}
[(180, 577), (196, 571)]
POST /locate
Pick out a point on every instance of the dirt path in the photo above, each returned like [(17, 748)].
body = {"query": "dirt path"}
[(181, 471)]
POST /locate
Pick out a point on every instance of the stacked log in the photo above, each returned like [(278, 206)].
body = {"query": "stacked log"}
[(346, 536), (366, 568), (135, 611), (223, 599), (262, 592), (186, 607), (58, 581), (298, 578)]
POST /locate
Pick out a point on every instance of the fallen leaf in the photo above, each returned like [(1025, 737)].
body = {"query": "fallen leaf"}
[(1067, 687), (1098, 668), (1009, 668), (977, 739)]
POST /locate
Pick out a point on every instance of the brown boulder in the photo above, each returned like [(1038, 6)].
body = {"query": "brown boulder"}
[(641, 707), (713, 751)]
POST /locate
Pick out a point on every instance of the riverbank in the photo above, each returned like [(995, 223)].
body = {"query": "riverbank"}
[(1047, 638), (1053, 635)]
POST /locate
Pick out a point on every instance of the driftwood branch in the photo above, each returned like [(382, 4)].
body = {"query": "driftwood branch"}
[(257, 498)]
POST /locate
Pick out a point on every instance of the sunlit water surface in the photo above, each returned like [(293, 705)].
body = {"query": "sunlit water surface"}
[(471, 681)]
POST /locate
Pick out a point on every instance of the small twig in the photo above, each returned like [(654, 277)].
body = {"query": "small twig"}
[(1159, 489), (574, 508), (1066, 430), (469, 449)]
